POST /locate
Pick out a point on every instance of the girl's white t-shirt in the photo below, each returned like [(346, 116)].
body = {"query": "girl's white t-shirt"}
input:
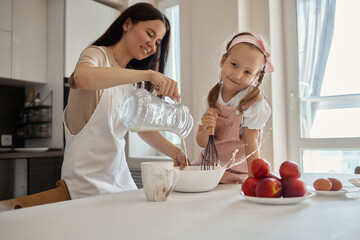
[(254, 117)]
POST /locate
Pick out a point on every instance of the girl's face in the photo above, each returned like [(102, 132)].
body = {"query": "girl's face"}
[(143, 38), (240, 67)]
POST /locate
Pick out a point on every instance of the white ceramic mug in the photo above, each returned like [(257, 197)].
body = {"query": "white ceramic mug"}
[(159, 179)]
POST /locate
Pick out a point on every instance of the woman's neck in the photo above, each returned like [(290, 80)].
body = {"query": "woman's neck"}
[(121, 54)]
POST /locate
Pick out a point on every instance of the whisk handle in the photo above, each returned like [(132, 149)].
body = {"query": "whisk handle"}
[(211, 131)]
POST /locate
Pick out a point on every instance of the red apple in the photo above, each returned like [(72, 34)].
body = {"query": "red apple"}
[(260, 168), (269, 188), (248, 186), (293, 187), (289, 169)]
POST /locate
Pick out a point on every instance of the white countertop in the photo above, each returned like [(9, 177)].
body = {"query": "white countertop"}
[(219, 214)]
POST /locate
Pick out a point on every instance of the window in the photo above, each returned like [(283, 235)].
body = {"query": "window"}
[(328, 114), (137, 147), (329, 93)]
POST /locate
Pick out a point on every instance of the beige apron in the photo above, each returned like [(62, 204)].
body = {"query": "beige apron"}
[(228, 138)]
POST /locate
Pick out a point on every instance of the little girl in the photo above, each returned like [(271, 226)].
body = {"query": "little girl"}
[(236, 107)]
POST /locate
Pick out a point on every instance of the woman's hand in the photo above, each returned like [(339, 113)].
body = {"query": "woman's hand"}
[(180, 160), (156, 140), (164, 85), (209, 119)]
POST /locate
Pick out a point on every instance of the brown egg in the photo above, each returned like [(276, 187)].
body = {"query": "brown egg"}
[(336, 184), (322, 184)]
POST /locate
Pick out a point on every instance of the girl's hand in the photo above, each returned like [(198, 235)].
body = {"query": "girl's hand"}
[(180, 160), (164, 85), (209, 119)]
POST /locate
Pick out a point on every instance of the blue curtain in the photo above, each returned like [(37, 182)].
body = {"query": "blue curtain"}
[(315, 22)]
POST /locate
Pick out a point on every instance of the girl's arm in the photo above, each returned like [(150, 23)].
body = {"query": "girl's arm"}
[(207, 120), (202, 136), (159, 142), (251, 146), (87, 76)]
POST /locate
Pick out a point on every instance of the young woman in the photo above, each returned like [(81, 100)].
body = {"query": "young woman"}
[(132, 52)]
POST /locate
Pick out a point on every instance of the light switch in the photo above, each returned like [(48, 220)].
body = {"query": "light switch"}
[(6, 140)]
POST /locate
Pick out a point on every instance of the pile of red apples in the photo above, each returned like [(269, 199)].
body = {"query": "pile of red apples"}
[(268, 185)]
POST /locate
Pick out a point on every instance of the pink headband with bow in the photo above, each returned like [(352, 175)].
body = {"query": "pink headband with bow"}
[(261, 44)]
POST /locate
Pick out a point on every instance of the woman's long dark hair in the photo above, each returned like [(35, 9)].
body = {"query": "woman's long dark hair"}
[(137, 13)]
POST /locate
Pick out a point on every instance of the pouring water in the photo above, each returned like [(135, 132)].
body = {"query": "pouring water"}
[(143, 111)]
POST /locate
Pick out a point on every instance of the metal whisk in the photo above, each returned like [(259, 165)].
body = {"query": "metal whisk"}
[(210, 158)]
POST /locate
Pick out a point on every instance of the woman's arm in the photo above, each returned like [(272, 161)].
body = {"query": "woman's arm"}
[(90, 77), (159, 142), (251, 146)]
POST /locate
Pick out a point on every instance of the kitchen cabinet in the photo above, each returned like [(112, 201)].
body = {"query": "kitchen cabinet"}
[(23, 35), (29, 37), (5, 15), (43, 173), (24, 173), (5, 56), (85, 21), (5, 38)]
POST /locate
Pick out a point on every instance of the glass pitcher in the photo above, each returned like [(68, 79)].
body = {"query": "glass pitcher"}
[(143, 111)]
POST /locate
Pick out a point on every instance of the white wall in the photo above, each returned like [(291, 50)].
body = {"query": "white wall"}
[(128, 3), (278, 84)]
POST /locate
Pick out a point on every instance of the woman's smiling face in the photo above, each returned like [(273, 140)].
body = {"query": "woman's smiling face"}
[(144, 37), (240, 66)]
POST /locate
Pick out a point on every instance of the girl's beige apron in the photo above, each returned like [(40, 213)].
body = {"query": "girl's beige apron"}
[(228, 138)]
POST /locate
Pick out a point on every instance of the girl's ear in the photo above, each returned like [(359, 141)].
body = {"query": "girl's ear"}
[(127, 24), (222, 61)]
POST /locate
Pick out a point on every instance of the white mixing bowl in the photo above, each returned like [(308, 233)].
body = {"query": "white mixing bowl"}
[(193, 179)]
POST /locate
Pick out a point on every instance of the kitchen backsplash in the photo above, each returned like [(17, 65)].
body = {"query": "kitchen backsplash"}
[(11, 100)]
